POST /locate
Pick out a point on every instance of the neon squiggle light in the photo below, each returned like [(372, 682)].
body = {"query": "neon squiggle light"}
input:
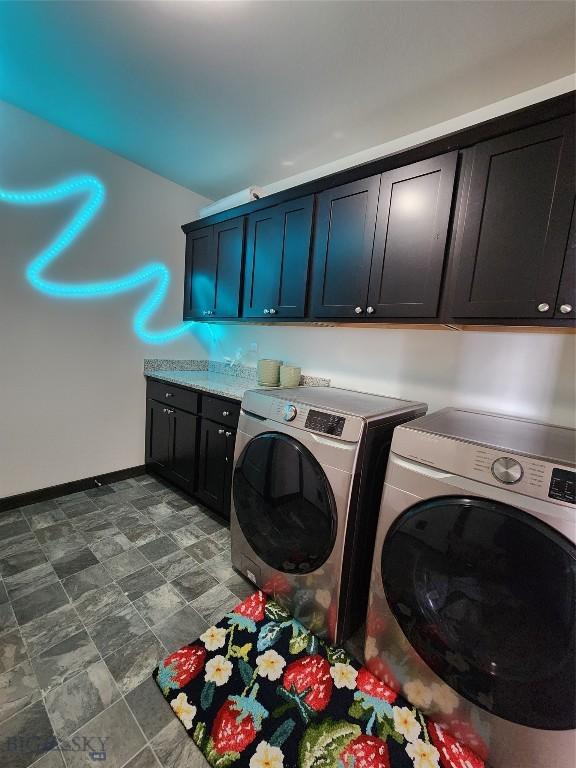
[(156, 273)]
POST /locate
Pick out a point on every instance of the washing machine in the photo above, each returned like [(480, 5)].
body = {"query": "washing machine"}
[(308, 475), (473, 588)]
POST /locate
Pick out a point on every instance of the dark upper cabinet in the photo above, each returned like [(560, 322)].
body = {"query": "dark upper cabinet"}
[(514, 221), (215, 466), (199, 274), (276, 263), (566, 299), (213, 275), (343, 240), (410, 243)]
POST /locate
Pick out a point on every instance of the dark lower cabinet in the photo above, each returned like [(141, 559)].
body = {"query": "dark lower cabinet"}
[(216, 456), (171, 443), (411, 234), (195, 451), (183, 445), (277, 254), (514, 221), (158, 436)]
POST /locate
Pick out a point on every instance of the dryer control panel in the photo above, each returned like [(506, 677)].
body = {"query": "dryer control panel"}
[(515, 472)]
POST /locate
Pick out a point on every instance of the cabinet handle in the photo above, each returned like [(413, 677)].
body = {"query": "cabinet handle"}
[(565, 308), (370, 310), (266, 311), (204, 312), (543, 307), (221, 431), (225, 413), (169, 394), (272, 311), (167, 410), (228, 434), (358, 310)]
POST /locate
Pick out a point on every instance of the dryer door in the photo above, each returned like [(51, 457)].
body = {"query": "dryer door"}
[(486, 595), (284, 503)]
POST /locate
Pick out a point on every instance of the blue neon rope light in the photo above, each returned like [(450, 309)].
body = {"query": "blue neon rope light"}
[(156, 273)]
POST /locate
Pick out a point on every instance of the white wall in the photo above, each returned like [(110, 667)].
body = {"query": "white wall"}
[(527, 374), (71, 384)]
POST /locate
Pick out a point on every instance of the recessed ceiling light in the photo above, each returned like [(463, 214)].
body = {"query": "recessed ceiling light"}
[(287, 163)]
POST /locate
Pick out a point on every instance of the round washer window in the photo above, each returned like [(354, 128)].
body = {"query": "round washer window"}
[(486, 595), (284, 503)]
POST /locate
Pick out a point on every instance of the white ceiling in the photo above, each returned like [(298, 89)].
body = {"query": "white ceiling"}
[(220, 95)]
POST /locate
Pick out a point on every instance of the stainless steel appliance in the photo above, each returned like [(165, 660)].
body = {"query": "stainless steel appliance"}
[(473, 590), (309, 468)]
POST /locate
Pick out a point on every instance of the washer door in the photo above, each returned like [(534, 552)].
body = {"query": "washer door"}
[(284, 503), (486, 595)]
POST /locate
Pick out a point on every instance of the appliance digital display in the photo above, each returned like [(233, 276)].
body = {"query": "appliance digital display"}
[(563, 486), (325, 422)]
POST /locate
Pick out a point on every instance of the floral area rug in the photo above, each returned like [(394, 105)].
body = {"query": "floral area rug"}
[(259, 690)]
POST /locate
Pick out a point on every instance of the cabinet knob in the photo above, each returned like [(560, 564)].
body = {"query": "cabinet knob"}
[(370, 310), (228, 434), (168, 394), (221, 431), (266, 311), (543, 307), (565, 308), (272, 311), (358, 310), (225, 413)]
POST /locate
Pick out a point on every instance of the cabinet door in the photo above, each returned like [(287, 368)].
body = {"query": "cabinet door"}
[(183, 448), (344, 237), (411, 232), (277, 256), (227, 278), (212, 465), (515, 219), (199, 275), (566, 301), (158, 436)]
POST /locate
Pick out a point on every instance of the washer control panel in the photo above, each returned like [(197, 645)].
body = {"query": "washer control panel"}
[(328, 423), (298, 415), (563, 485)]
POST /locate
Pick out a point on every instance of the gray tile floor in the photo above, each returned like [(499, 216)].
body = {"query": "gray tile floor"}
[(95, 588)]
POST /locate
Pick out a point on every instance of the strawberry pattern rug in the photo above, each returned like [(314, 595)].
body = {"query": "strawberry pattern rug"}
[(258, 690)]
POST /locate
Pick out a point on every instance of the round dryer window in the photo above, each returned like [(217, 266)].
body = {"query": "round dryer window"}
[(486, 595), (284, 503)]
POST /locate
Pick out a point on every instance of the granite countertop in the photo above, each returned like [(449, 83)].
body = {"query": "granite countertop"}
[(214, 377), (206, 381)]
